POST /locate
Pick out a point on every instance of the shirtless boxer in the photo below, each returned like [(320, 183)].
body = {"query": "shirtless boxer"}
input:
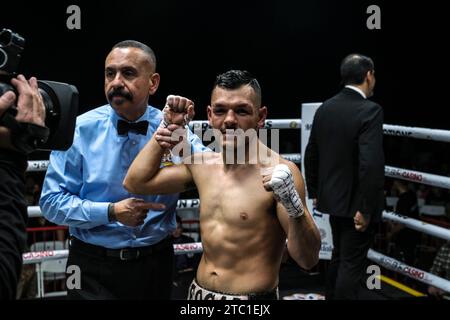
[(243, 225)]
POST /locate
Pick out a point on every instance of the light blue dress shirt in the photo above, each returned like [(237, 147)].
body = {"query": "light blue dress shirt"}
[(82, 181)]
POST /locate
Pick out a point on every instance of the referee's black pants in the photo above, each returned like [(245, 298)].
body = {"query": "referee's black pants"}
[(349, 262), (110, 274)]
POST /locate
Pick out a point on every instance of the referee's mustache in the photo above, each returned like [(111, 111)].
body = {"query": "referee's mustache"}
[(120, 92)]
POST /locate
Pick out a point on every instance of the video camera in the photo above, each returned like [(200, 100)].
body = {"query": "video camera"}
[(60, 100)]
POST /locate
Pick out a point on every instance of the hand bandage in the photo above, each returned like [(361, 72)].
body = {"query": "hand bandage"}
[(164, 121), (282, 184)]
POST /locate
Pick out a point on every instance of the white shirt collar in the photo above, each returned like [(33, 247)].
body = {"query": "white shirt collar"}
[(357, 90)]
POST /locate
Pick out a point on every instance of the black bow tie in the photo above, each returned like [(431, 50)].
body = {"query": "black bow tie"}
[(139, 127)]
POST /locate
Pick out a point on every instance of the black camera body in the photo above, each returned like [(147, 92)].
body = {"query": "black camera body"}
[(60, 100), (11, 46)]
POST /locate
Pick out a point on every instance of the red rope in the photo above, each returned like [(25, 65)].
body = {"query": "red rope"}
[(52, 228)]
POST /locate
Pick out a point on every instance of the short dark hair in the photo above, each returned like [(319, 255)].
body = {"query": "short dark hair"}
[(178, 218), (234, 79), (354, 68), (139, 45)]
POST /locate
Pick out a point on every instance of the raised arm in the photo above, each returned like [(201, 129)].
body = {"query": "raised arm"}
[(145, 175)]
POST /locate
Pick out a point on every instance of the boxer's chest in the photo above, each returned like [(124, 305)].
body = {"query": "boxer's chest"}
[(234, 196)]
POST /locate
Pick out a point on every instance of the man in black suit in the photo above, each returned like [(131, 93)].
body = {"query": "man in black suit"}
[(344, 168)]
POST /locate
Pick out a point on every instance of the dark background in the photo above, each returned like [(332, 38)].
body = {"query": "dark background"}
[(293, 47)]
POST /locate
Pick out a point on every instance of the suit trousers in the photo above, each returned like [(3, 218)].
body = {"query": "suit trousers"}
[(349, 258), (106, 277)]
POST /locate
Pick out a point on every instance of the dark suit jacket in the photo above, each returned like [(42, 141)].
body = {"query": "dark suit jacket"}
[(344, 159), (13, 220)]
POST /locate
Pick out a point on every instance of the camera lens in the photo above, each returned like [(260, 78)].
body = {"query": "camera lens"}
[(60, 99), (3, 58), (5, 37)]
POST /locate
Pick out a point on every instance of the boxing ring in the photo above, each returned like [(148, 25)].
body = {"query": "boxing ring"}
[(399, 173)]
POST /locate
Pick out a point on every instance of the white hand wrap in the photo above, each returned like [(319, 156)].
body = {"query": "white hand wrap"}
[(165, 119), (282, 184)]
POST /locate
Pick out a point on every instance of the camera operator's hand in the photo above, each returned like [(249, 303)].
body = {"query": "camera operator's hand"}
[(30, 110), (6, 101), (30, 107)]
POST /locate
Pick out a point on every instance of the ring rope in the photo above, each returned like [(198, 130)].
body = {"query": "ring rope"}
[(418, 177), (412, 272), (42, 165), (37, 165), (268, 124), (418, 133), (39, 256), (418, 225), (388, 129)]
